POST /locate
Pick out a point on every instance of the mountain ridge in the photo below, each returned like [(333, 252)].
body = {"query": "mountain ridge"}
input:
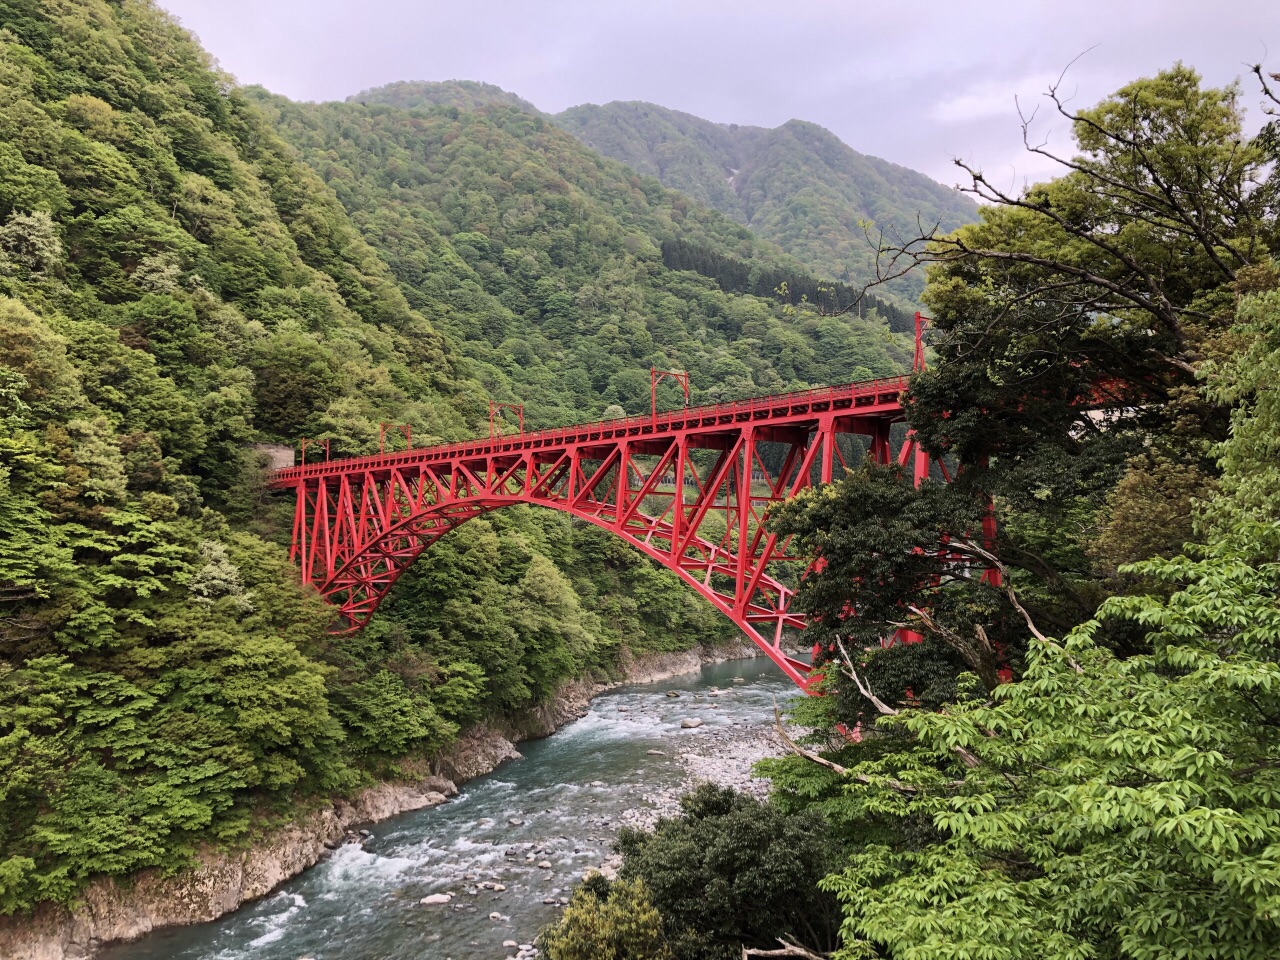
[(797, 184)]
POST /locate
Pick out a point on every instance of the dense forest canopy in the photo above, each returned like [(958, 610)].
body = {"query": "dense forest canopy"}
[(543, 261), (186, 269), (796, 185), (1106, 346)]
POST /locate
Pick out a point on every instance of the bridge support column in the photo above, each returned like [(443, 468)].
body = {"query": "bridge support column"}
[(827, 438), (360, 523)]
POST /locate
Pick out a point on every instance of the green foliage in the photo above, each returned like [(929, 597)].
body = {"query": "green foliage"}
[(543, 261), (1119, 807), (892, 554), (175, 284), (1119, 799), (619, 924), (731, 871), (459, 94), (1074, 414), (1250, 486), (738, 276), (1070, 322), (797, 185), (1109, 804)]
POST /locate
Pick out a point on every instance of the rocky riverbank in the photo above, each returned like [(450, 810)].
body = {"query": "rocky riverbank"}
[(723, 756), (113, 910)]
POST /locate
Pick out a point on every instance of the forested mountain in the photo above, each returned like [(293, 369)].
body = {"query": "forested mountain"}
[(544, 261), (798, 184), (176, 283)]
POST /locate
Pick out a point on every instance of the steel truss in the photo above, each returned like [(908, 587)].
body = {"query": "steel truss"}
[(690, 488)]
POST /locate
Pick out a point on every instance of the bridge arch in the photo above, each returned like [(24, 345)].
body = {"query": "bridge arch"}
[(662, 483), (358, 588)]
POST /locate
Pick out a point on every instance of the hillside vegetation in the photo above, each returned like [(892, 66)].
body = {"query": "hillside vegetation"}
[(177, 283), (544, 262), (463, 94), (797, 185)]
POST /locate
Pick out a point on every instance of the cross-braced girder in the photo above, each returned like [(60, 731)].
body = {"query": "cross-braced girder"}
[(690, 488)]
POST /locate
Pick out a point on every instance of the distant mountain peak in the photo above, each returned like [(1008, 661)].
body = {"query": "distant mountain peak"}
[(797, 184), (463, 94)]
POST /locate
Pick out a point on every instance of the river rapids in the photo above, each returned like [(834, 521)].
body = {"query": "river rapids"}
[(510, 847)]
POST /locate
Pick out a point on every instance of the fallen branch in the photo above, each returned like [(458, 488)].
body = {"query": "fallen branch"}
[(863, 688), (789, 949)]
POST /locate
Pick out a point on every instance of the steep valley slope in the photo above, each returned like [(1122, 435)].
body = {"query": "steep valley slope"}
[(797, 185)]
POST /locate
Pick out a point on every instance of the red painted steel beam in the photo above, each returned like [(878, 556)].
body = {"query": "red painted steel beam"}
[(361, 522)]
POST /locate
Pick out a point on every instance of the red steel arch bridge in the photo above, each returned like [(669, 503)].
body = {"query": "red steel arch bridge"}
[(690, 488)]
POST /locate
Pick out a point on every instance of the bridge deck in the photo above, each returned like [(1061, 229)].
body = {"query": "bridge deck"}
[(849, 398)]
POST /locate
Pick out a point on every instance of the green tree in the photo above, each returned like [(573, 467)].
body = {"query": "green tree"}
[(730, 872), (620, 924), (1105, 805), (1117, 807)]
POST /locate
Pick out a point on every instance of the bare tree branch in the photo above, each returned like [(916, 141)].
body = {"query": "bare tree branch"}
[(865, 690), (789, 949), (890, 782), (1266, 89), (1013, 599), (801, 751)]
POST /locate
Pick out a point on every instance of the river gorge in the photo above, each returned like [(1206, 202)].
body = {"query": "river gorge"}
[(509, 847)]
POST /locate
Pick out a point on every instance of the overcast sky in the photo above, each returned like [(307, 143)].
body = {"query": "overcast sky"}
[(916, 83)]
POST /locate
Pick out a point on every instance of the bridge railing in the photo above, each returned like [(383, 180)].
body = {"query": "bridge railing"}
[(648, 424)]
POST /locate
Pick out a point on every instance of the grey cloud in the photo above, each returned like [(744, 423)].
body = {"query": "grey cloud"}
[(916, 84)]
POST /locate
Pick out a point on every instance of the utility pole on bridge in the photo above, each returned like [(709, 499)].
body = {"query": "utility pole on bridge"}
[(656, 376), (495, 414)]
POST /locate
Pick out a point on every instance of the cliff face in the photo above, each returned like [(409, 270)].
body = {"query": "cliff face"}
[(222, 880)]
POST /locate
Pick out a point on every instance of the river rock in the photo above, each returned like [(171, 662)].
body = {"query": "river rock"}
[(435, 898), (516, 822), (510, 943), (496, 916), (655, 753), (499, 887), (690, 723), (544, 865), (114, 909)]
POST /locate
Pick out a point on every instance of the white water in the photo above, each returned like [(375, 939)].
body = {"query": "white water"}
[(570, 793)]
